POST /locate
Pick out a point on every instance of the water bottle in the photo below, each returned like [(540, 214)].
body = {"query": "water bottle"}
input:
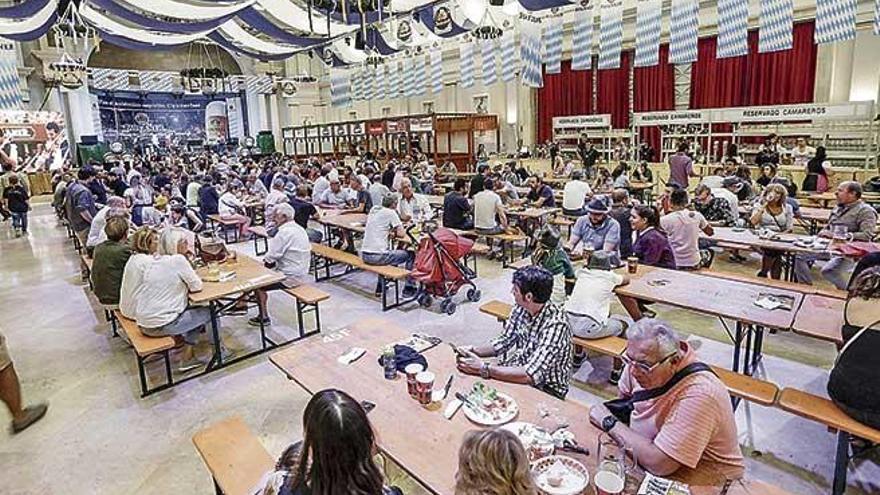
[(389, 363)]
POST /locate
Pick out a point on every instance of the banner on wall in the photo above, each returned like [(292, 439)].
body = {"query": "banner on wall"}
[(610, 36), (530, 52), (436, 71), (582, 121), (466, 64), (582, 40), (487, 54), (552, 41), (733, 28), (10, 92), (859, 110), (39, 140), (775, 29), (835, 20), (508, 56), (648, 23), (683, 30), (671, 117)]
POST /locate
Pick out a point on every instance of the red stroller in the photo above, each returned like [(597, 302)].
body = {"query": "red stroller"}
[(438, 267)]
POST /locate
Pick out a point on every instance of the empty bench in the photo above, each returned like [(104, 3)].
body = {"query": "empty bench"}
[(307, 299), (259, 233), (325, 258), (225, 225), (233, 455), (145, 347), (738, 385)]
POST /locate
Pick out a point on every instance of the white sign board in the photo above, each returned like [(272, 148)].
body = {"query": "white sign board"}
[(582, 121), (421, 124), (860, 110), (671, 117)]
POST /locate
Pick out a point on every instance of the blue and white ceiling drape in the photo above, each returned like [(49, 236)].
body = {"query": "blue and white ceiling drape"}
[(683, 31), (508, 57), (877, 17), (775, 30), (582, 39), (552, 41), (610, 36), (733, 28), (28, 20), (436, 71), (530, 52), (835, 20), (487, 56), (466, 64), (340, 88), (648, 23)]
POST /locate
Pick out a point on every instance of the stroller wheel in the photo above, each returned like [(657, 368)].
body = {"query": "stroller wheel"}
[(425, 300), (448, 306), (474, 295)]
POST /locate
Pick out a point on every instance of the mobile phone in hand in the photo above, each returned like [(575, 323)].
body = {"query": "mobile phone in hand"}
[(459, 352), (368, 406)]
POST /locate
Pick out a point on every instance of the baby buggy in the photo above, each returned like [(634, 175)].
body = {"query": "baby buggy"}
[(440, 268)]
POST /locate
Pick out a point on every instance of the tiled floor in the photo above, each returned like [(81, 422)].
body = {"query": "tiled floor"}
[(99, 437)]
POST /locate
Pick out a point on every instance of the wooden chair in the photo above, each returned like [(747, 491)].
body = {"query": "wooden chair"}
[(145, 347), (233, 455)]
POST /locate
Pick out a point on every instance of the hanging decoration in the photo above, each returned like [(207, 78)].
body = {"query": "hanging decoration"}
[(442, 20), (379, 82), (582, 42), (508, 57), (877, 17), (466, 64), (10, 91), (487, 55), (75, 38), (775, 30), (648, 25), (392, 75), (835, 20), (436, 70), (29, 20), (420, 75), (366, 77), (357, 87), (733, 28), (404, 31), (684, 25), (340, 88), (409, 78), (610, 36), (530, 51), (552, 41)]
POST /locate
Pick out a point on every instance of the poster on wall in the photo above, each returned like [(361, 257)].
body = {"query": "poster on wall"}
[(162, 119), (35, 140)]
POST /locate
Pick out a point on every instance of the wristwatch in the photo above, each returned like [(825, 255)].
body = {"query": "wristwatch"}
[(484, 371), (608, 422)]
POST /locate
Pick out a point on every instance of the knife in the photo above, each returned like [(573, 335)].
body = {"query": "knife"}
[(438, 395), (447, 386), (466, 400)]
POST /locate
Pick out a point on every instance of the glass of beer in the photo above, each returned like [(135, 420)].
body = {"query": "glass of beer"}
[(632, 264), (610, 478)]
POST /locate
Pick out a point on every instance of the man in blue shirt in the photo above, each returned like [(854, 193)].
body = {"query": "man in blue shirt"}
[(541, 195), (596, 231)]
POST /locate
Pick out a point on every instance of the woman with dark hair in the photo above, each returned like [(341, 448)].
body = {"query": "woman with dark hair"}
[(335, 455), (620, 176), (651, 246), (818, 172), (854, 384)]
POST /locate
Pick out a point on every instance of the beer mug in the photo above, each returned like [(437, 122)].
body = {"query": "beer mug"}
[(610, 478), (840, 233)]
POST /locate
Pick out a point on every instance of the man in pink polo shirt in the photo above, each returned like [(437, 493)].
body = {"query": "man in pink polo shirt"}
[(688, 433)]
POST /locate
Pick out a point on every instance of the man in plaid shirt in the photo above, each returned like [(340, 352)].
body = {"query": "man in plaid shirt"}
[(535, 346)]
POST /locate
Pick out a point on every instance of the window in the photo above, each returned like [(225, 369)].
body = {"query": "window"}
[(427, 107), (386, 111)]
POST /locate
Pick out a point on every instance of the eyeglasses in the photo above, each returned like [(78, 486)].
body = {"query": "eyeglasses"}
[(641, 365)]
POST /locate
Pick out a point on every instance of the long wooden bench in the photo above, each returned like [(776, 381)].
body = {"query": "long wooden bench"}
[(307, 299), (326, 257), (226, 224), (233, 455), (824, 411), (258, 233), (505, 239), (738, 385), (86, 269), (145, 347)]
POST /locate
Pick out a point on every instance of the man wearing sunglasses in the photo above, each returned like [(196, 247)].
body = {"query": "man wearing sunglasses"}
[(689, 432)]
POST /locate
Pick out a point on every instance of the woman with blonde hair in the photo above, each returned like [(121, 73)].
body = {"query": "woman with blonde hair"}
[(493, 462), (773, 213)]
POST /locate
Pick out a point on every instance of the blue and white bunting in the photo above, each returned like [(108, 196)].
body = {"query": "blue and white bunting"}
[(436, 71), (835, 20), (733, 28), (648, 23), (367, 83), (392, 73), (530, 53), (10, 82), (421, 76), (683, 30), (877, 17), (774, 32), (378, 82), (610, 36), (357, 87), (582, 40), (552, 45), (466, 64), (487, 54), (409, 78), (508, 56), (340, 88)]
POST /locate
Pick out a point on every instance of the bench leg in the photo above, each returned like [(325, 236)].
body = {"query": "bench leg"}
[(737, 341), (169, 379), (112, 319), (840, 463), (142, 373)]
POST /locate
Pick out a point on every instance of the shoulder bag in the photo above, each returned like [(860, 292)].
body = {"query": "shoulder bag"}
[(622, 408)]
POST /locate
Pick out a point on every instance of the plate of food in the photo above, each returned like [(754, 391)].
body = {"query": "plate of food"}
[(536, 440), (488, 407), (560, 475)]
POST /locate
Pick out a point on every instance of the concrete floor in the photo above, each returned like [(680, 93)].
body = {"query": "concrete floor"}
[(99, 437)]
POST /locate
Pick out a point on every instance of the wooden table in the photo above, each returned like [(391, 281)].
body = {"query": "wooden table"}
[(717, 297), (784, 244), (419, 438), (250, 274), (820, 317)]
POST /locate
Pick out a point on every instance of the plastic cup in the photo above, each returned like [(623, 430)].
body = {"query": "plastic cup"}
[(411, 371), (608, 483), (424, 387), (632, 264)]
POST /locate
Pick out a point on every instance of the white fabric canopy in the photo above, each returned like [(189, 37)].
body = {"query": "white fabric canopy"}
[(238, 35), (111, 26), (16, 26), (297, 17), (190, 11), (348, 54)]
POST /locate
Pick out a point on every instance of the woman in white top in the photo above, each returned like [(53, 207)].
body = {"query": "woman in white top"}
[(773, 214), (231, 208), (138, 196)]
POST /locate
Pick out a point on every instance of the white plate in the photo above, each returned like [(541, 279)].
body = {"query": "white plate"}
[(575, 482), (538, 445), (482, 418)]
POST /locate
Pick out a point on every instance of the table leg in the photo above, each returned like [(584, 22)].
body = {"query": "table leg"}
[(747, 368), (758, 349), (840, 463), (261, 315), (216, 359), (736, 347)]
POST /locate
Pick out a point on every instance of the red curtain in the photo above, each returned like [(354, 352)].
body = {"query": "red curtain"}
[(568, 93), (775, 78), (654, 89), (612, 93)]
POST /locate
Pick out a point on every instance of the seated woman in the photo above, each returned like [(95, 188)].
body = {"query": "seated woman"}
[(651, 248), (768, 173), (620, 176), (232, 208), (493, 462), (854, 384), (551, 257), (335, 455), (183, 217), (643, 173), (774, 213)]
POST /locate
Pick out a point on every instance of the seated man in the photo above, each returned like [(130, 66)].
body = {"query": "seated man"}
[(596, 231), (487, 207), (853, 219), (290, 253), (575, 195), (115, 206), (535, 346), (110, 259), (716, 210), (412, 206), (540, 194), (333, 196), (683, 227), (688, 433), (383, 224), (456, 208), (273, 199), (359, 199), (306, 211)]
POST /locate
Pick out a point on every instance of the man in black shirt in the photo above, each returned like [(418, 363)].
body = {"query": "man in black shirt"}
[(388, 176), (478, 180), (540, 194), (456, 208), (304, 211)]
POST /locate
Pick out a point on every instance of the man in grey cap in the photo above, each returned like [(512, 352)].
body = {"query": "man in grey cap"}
[(596, 231)]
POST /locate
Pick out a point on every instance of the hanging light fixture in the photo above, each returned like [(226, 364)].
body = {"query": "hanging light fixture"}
[(488, 29), (76, 39)]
